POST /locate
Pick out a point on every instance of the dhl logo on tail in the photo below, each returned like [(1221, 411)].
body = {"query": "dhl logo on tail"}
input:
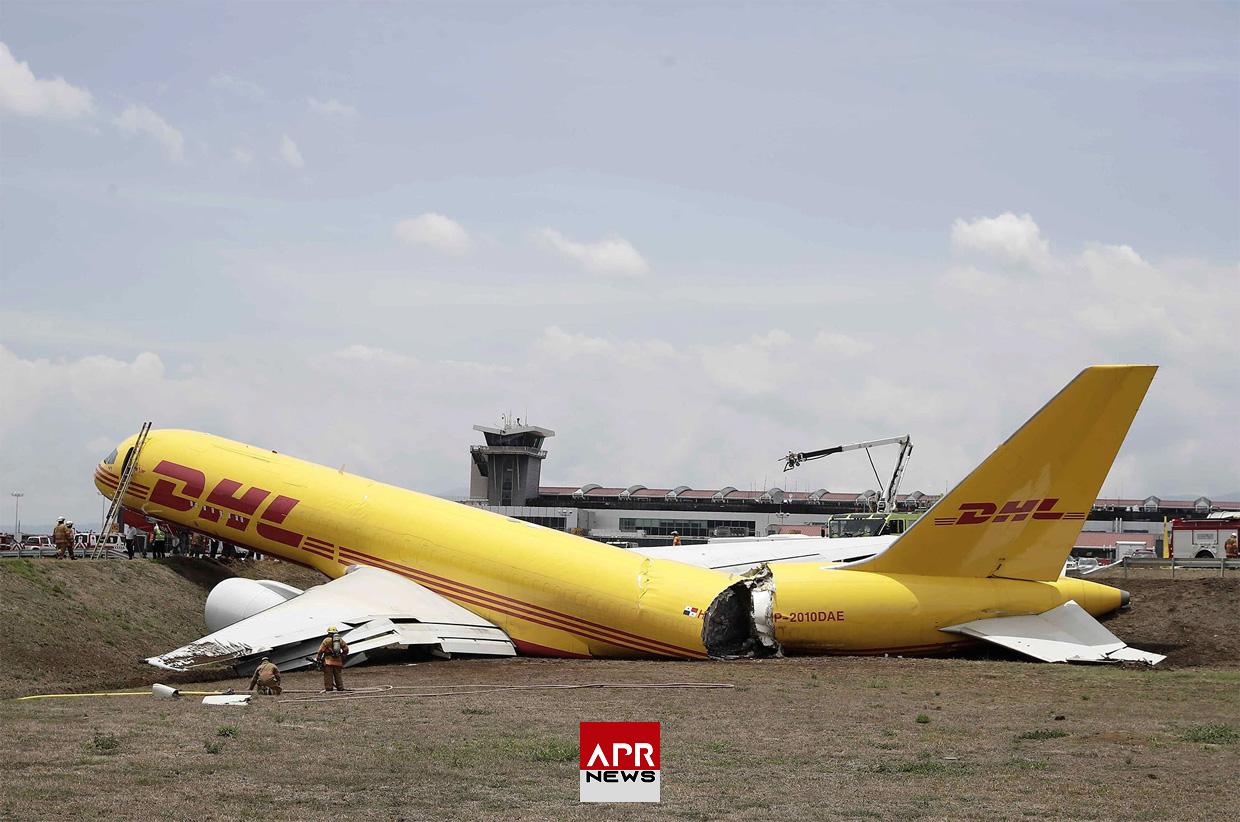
[(976, 513)]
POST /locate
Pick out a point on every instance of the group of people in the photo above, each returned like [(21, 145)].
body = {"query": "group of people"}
[(330, 657), (163, 541), (63, 537)]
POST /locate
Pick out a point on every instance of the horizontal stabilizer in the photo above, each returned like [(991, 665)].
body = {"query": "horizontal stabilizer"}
[(373, 609), (1063, 634)]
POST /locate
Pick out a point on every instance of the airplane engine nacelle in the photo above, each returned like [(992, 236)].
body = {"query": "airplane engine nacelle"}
[(236, 599)]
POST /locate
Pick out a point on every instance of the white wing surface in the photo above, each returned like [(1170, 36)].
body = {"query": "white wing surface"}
[(1066, 633), (372, 608)]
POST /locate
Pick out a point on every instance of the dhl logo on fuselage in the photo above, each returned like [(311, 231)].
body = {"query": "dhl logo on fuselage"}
[(976, 513), (226, 500)]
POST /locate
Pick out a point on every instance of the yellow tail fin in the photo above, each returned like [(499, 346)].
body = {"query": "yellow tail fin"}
[(1019, 512)]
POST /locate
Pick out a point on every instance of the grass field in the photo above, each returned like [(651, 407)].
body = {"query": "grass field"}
[(986, 737), (848, 738)]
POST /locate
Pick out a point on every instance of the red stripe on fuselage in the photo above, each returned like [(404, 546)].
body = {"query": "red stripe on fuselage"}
[(534, 649), (488, 599), (550, 614), (568, 621)]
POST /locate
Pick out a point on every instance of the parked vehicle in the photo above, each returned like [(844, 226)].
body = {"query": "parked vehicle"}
[(1211, 538), (38, 545)]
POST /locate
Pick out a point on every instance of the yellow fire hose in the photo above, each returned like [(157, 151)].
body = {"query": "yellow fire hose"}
[(116, 693)]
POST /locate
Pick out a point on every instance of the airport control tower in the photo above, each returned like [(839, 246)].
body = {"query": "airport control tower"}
[(506, 470)]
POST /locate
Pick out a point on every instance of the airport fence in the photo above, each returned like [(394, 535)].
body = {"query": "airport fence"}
[(1222, 565)]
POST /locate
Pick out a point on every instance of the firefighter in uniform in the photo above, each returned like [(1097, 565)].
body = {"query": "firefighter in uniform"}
[(60, 536), (72, 537), (332, 651), (675, 538), (267, 678)]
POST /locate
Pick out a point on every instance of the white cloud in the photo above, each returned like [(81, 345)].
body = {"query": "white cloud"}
[(565, 345), (331, 108), (242, 155), (371, 355), (759, 365), (840, 345), (25, 95), (434, 231), (1008, 239), (290, 153), (1103, 294), (712, 398), (973, 280), (238, 85), (140, 120), (611, 256)]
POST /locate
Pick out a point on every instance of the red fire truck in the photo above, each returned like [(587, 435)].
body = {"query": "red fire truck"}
[(1210, 538)]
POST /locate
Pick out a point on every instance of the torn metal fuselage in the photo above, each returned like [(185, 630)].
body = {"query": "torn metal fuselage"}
[(740, 622)]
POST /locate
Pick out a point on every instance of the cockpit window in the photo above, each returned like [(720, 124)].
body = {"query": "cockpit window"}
[(110, 458)]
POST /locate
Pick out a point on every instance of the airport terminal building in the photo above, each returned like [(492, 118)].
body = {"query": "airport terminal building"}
[(506, 474)]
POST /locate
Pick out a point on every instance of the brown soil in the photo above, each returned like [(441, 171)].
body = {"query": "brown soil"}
[(826, 738), (87, 625), (1194, 621)]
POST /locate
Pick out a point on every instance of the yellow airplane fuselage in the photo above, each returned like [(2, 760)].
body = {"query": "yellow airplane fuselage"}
[(553, 593), (821, 610)]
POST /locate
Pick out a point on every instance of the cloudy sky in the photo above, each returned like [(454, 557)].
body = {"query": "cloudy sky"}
[(688, 237)]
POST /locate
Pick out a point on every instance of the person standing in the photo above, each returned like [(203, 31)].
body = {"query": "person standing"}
[(675, 538), (159, 541), (72, 537), (332, 651), (60, 538), (129, 537)]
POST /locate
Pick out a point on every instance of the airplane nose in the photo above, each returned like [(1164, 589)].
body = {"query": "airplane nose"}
[(107, 474)]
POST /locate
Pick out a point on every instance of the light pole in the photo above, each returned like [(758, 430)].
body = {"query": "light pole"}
[(17, 505)]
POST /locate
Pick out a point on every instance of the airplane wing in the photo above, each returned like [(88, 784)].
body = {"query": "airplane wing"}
[(372, 608), (1066, 633), (739, 556)]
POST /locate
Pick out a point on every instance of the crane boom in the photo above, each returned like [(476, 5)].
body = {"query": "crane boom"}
[(886, 501)]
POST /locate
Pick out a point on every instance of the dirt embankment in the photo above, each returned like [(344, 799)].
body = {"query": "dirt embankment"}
[(1195, 622), (72, 626)]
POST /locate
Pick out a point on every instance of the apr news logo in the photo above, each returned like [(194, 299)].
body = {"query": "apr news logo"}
[(620, 762)]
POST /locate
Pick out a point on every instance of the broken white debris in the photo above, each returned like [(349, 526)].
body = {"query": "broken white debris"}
[(227, 699)]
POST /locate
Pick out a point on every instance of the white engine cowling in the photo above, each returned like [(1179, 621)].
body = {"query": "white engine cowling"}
[(236, 599)]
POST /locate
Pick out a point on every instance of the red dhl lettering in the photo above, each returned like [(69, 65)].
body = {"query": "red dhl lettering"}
[(183, 488), (976, 513)]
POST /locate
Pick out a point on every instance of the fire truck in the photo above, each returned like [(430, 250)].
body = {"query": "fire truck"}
[(1214, 537)]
